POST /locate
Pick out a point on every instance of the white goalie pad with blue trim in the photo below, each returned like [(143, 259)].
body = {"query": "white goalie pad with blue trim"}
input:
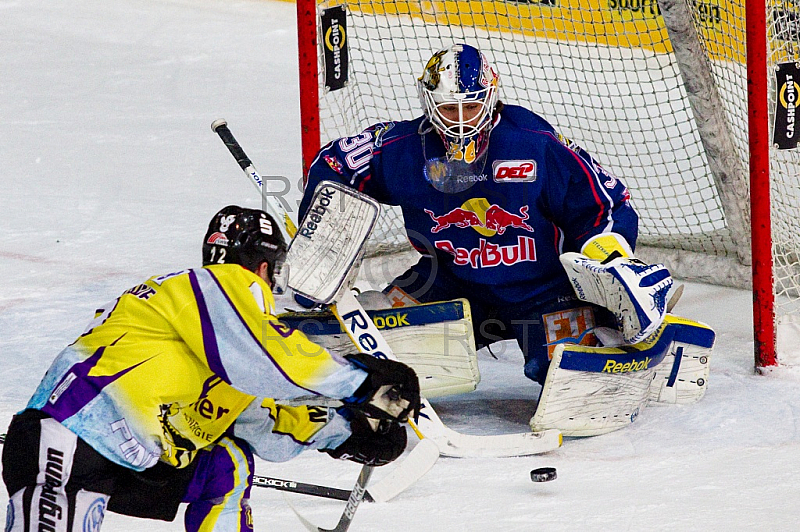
[(435, 339), (682, 377), (595, 390)]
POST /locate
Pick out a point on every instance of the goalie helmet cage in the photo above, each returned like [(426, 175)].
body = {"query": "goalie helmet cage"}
[(675, 97)]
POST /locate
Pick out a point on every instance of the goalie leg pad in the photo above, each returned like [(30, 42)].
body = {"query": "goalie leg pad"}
[(636, 293), (435, 339), (595, 390), (682, 377)]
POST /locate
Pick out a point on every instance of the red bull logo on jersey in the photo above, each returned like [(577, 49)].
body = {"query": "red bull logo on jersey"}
[(489, 255), (484, 218), (218, 239), (458, 217), (335, 164), (499, 219)]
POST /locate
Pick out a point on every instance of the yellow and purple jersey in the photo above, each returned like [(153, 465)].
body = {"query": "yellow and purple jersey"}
[(167, 367)]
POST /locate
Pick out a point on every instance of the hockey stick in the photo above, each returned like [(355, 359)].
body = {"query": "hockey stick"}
[(450, 442), (315, 490), (275, 208)]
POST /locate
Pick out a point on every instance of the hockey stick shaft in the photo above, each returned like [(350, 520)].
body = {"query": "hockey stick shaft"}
[(315, 490), (357, 494), (359, 490), (220, 127), (292, 486)]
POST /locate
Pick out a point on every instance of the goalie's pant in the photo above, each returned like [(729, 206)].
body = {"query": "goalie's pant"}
[(537, 326), (58, 483)]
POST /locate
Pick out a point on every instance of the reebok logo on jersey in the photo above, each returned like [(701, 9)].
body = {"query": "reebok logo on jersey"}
[(514, 171)]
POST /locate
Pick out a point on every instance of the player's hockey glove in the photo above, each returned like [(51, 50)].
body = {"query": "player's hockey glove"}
[(635, 292), (367, 446), (390, 391)]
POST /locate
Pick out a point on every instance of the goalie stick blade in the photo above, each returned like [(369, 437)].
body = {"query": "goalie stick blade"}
[(418, 462), (457, 445)]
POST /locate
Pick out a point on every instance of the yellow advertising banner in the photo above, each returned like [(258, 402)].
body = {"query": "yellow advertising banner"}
[(621, 23)]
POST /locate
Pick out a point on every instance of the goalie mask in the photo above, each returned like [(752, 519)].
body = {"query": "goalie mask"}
[(247, 237), (458, 90)]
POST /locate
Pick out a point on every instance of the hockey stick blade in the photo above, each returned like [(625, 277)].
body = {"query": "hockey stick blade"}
[(457, 445), (418, 462), (349, 510)]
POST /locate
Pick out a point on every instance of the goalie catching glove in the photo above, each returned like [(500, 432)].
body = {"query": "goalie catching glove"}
[(635, 292)]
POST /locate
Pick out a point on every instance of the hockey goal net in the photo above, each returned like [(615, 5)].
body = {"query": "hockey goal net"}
[(656, 91)]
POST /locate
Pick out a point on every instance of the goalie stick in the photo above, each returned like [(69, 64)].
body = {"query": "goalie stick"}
[(450, 442), (426, 451), (358, 325), (275, 207)]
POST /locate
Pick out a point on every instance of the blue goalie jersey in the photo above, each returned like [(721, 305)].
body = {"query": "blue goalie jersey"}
[(537, 196)]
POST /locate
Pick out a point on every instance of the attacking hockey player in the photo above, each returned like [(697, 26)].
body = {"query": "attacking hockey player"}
[(176, 383), (508, 214)]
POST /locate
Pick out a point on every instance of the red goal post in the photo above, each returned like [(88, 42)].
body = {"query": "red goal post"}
[(675, 97)]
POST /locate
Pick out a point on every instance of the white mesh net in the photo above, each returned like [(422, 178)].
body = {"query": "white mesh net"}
[(605, 74)]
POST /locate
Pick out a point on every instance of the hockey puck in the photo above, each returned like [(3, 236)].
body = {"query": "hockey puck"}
[(543, 474)]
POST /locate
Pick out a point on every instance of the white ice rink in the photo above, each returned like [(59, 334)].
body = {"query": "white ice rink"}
[(109, 173)]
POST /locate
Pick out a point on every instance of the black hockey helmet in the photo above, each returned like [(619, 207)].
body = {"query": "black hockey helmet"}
[(248, 237)]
